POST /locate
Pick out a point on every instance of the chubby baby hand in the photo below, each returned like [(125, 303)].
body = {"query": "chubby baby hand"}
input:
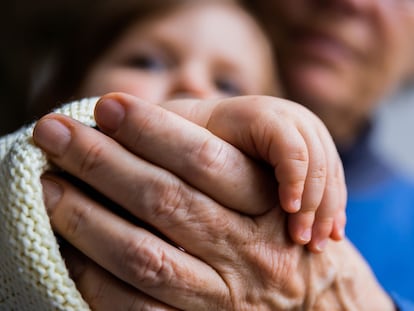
[(309, 172)]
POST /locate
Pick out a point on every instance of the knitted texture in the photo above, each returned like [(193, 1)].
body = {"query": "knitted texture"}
[(33, 275)]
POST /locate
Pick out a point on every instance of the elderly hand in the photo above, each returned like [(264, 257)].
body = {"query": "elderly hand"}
[(298, 147), (231, 261)]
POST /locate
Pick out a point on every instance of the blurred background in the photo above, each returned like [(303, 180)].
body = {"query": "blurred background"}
[(394, 134), (29, 29)]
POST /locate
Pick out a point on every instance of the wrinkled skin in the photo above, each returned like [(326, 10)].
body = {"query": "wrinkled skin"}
[(231, 261)]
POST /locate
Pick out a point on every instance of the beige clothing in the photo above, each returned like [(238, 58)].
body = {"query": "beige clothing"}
[(33, 275)]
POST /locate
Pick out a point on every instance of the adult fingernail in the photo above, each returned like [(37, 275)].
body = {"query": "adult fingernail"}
[(52, 193), (52, 136), (109, 114)]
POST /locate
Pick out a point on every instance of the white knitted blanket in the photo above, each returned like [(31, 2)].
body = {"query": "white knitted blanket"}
[(33, 275)]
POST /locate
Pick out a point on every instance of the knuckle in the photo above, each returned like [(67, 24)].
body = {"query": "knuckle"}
[(283, 271), (165, 195), (75, 220), (148, 265), (318, 173), (92, 159), (211, 156), (336, 191), (324, 221), (298, 155), (294, 168)]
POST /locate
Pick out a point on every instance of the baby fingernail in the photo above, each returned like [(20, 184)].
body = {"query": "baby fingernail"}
[(52, 136), (109, 114), (320, 246), (296, 205), (306, 235), (52, 192)]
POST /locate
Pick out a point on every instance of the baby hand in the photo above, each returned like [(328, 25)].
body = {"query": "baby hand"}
[(299, 148)]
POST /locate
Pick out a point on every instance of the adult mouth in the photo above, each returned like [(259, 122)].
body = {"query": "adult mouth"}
[(319, 46)]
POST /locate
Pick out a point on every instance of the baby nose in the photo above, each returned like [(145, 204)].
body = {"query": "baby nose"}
[(192, 82)]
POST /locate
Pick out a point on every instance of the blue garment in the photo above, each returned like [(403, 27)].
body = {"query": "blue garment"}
[(380, 215)]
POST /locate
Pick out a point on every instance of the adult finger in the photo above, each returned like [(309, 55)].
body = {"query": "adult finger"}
[(164, 139), (101, 290), (147, 191), (132, 254), (191, 152), (257, 269)]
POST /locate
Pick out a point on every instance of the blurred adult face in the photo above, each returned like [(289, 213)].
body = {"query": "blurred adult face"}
[(339, 57), (205, 50)]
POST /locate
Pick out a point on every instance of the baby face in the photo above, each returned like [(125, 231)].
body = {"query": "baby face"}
[(206, 50)]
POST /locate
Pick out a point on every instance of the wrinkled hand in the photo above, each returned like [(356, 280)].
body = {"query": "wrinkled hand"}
[(231, 261), (297, 145)]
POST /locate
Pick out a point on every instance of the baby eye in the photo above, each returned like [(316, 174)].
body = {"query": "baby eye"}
[(228, 86), (148, 62)]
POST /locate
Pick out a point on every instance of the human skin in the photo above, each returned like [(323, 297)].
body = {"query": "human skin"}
[(249, 263), (340, 58), (181, 54), (213, 293)]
